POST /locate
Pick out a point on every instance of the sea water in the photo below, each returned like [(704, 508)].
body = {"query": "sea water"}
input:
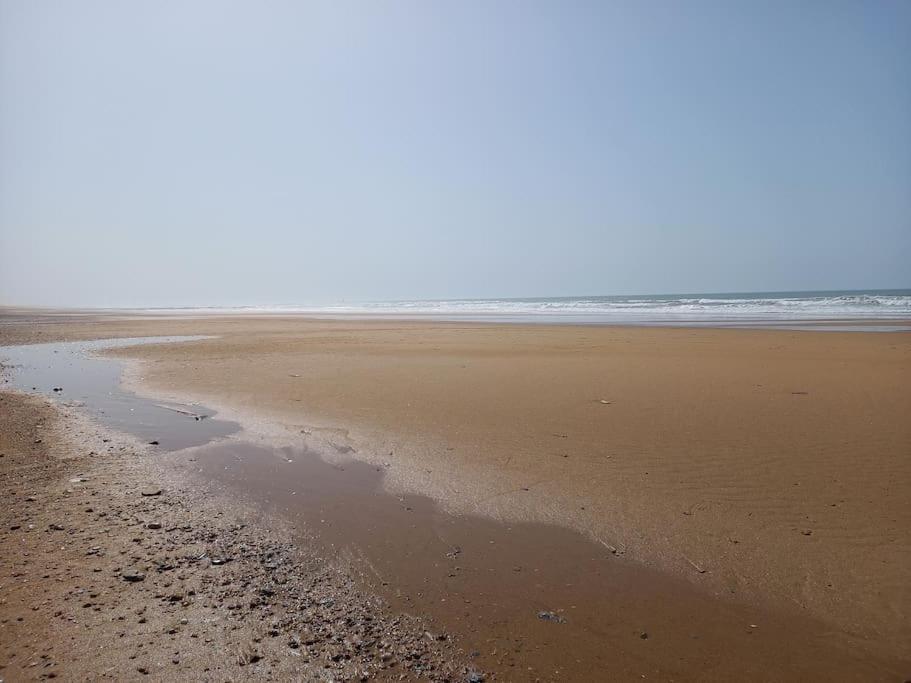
[(751, 308)]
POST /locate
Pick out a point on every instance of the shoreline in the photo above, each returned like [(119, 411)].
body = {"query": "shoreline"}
[(157, 579), (15, 319), (158, 359)]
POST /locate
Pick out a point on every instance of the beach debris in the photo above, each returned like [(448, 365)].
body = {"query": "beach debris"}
[(800, 393), (153, 525), (58, 389), (604, 402), (132, 575), (151, 492), (695, 566), (182, 411), (643, 635), (55, 527), (807, 532), (153, 443), (614, 550), (545, 615), (293, 375), (474, 676)]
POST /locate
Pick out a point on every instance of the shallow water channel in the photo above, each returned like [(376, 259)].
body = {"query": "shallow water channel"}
[(73, 373)]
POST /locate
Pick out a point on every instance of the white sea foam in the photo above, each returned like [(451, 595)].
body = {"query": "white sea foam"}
[(733, 308)]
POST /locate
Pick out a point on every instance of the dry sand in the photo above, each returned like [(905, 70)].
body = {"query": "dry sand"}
[(767, 467)]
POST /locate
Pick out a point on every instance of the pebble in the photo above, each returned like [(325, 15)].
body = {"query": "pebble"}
[(550, 616)]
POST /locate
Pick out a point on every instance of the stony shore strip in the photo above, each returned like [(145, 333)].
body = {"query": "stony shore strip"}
[(115, 569)]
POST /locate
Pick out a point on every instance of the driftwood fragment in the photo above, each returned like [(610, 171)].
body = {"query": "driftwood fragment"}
[(182, 411)]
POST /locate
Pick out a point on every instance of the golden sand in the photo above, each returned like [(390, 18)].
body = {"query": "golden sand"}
[(768, 466)]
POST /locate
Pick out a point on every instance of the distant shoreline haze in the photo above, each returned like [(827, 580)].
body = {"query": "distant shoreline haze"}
[(837, 305)]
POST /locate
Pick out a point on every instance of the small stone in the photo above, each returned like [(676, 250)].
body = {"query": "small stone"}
[(643, 635), (151, 492), (474, 677), (153, 525), (132, 576), (550, 616)]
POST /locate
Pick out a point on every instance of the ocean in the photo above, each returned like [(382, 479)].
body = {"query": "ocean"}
[(741, 308)]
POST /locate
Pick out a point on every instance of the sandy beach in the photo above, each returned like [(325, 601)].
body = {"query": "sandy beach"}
[(117, 568), (754, 480), (455, 342)]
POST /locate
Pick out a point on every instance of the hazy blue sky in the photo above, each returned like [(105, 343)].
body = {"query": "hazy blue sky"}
[(175, 153)]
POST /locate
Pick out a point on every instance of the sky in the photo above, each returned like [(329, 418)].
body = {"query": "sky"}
[(267, 152)]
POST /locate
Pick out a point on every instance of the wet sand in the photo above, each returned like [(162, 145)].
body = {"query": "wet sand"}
[(749, 472), (531, 601), (115, 567)]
